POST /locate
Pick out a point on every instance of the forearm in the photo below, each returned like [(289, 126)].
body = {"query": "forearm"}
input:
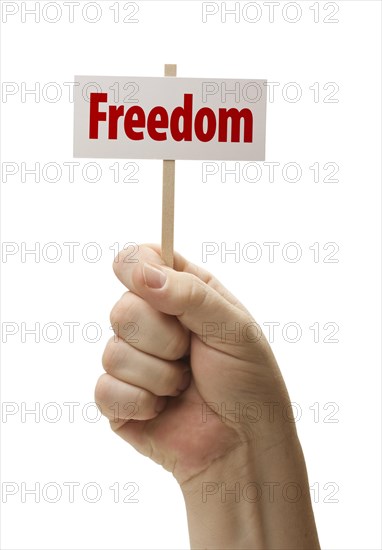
[(256, 498)]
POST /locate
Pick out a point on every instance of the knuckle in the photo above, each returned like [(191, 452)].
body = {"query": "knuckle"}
[(123, 309), (109, 357), (170, 383), (175, 347), (166, 382), (118, 264), (141, 399), (102, 389), (116, 313), (195, 293)]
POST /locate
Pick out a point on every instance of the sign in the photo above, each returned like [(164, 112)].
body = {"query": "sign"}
[(169, 118)]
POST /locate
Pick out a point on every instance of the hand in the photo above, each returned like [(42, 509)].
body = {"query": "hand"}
[(184, 389), (198, 390)]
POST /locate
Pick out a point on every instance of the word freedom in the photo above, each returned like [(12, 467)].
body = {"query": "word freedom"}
[(204, 123)]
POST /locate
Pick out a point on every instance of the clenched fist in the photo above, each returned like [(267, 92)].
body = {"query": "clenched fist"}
[(177, 385)]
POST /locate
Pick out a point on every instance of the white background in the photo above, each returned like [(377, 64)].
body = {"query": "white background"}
[(347, 373)]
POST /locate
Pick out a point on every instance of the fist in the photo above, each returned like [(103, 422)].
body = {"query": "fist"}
[(186, 360)]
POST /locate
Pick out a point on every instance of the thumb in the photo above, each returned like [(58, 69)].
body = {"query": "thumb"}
[(185, 296), (201, 308)]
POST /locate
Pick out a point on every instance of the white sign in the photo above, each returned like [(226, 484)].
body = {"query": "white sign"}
[(169, 118)]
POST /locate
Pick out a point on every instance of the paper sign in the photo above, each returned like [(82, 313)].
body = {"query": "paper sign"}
[(169, 118)]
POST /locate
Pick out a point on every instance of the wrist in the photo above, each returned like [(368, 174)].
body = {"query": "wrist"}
[(255, 497), (246, 463), (218, 510)]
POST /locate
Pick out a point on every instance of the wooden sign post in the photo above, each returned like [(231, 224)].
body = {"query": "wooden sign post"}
[(169, 118), (168, 194)]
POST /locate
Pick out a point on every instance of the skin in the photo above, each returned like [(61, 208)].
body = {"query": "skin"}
[(207, 405)]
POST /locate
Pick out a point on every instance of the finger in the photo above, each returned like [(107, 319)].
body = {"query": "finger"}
[(147, 329), (151, 253), (131, 365), (120, 401)]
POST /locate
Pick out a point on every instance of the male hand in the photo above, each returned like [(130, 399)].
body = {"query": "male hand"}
[(189, 370)]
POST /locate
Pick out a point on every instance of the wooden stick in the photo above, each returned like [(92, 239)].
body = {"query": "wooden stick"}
[(168, 199)]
